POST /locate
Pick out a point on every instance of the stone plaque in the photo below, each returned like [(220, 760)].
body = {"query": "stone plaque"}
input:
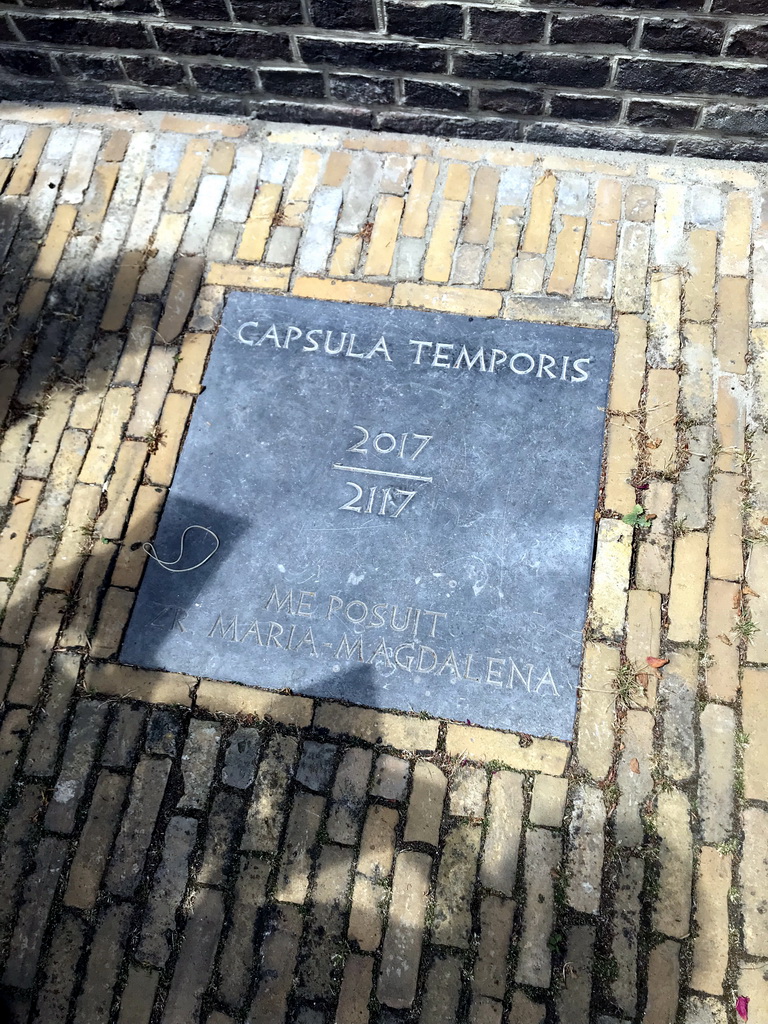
[(404, 506)]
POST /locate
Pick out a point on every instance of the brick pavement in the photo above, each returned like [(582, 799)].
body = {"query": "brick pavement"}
[(179, 850)]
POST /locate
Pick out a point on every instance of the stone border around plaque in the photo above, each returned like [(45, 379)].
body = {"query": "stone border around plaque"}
[(403, 504)]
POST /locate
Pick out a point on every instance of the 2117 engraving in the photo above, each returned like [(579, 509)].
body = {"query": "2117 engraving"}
[(384, 501)]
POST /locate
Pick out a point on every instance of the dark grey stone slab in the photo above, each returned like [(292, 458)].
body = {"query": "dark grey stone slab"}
[(404, 502)]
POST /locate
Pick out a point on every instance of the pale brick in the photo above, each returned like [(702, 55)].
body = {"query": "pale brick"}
[(663, 993), (242, 183), (141, 529), (528, 275), (602, 241), (753, 874), (264, 820), (548, 802), (730, 421), (21, 605), (498, 272), (60, 482), (231, 699), (198, 762), (594, 736), (14, 533), (699, 290), (467, 792), (468, 264), (115, 680), (664, 323), (597, 279), (166, 242), (725, 551), (439, 258), (643, 631), (736, 237), (634, 776), (653, 567), (705, 206), (631, 267), (626, 930), (401, 952), (672, 912), (639, 202), (478, 744), (381, 248), (686, 592), (710, 945), (549, 310), (537, 230), (92, 581), (346, 255), (586, 850), (155, 383), (191, 362), (345, 817), (401, 732), (757, 578), (318, 236), (185, 281), (677, 693), (40, 644), (722, 672), (416, 213), (452, 922), (620, 463), (661, 418), (543, 850), (342, 291), (203, 214), (496, 919), (276, 965), (98, 196), (716, 769), (377, 851), (173, 422), (570, 239), (425, 807), (106, 438), (754, 716), (669, 225), (611, 578), (193, 970), (693, 490), (283, 245), (732, 324)]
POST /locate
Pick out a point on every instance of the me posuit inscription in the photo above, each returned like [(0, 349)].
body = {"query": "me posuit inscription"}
[(405, 508)]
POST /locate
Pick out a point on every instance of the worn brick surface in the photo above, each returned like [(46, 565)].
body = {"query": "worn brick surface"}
[(534, 964), (710, 946)]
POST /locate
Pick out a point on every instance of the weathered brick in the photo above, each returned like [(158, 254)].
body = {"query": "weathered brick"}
[(710, 944), (238, 950), (722, 672), (168, 887), (60, 483), (442, 991), (401, 952), (347, 254), (26, 166), (88, 726), (115, 680), (595, 731), (716, 769), (686, 591), (730, 423), (39, 890), (653, 567), (17, 840), (586, 849), (575, 995), (634, 776), (40, 643), (611, 578), (663, 994), (568, 246), (106, 953), (736, 237), (664, 324), (225, 822), (442, 243), (355, 993), (122, 745), (381, 248), (138, 996), (345, 816), (147, 790), (498, 866), (536, 236), (115, 612), (185, 182), (626, 929), (265, 815), (15, 530), (693, 488), (699, 289), (455, 884), (195, 965), (632, 267), (417, 204), (543, 850), (276, 965), (754, 714), (398, 731), (185, 282), (467, 792), (528, 274), (315, 768), (61, 970), (506, 236), (672, 913), (753, 874), (732, 332), (106, 438), (21, 605), (548, 802), (164, 730), (48, 434), (239, 768), (13, 733), (479, 744), (490, 973), (317, 974), (42, 750), (677, 697), (198, 763), (390, 777), (295, 863), (425, 807), (369, 896), (643, 631), (162, 463), (477, 229)]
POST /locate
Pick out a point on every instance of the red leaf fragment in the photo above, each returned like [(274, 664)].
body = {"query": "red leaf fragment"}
[(742, 1007), (634, 766), (657, 662)]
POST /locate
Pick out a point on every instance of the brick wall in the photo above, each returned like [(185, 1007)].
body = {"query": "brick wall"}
[(682, 76)]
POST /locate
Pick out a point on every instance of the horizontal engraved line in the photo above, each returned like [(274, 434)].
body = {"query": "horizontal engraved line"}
[(383, 472)]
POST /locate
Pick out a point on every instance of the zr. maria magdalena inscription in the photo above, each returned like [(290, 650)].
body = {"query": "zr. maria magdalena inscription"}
[(404, 509)]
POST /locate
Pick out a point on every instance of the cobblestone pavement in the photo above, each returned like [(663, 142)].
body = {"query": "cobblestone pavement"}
[(179, 850)]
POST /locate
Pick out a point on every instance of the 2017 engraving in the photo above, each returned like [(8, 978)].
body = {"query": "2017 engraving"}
[(380, 500)]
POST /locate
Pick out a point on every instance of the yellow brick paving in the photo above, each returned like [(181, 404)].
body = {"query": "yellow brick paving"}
[(178, 849)]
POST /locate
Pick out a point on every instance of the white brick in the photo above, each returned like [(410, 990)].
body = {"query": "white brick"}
[(203, 213), (11, 138), (318, 237), (242, 184)]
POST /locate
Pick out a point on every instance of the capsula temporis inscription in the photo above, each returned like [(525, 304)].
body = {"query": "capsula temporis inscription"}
[(404, 503)]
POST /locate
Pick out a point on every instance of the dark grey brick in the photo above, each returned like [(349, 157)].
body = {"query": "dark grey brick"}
[(39, 889), (107, 945), (240, 758), (316, 766), (164, 732), (13, 732), (198, 762), (168, 888), (147, 790), (88, 726), (195, 963), (266, 812), (47, 733), (16, 849), (225, 823), (239, 950), (122, 746), (67, 944), (348, 798)]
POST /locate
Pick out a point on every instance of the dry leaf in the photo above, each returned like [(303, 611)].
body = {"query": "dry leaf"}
[(634, 766), (654, 444), (657, 662), (764, 520), (736, 600), (642, 679), (650, 516), (725, 638), (19, 500), (748, 591)]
